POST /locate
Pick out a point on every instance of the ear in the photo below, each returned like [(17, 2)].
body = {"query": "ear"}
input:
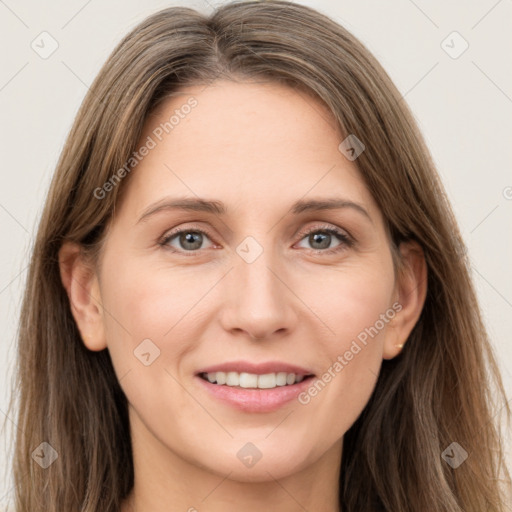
[(82, 286), (410, 294)]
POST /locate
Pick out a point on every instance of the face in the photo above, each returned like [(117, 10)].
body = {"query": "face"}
[(254, 280)]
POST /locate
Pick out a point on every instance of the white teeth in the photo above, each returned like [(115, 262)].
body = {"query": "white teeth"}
[(281, 379), (248, 380), (233, 379), (251, 380), (267, 381)]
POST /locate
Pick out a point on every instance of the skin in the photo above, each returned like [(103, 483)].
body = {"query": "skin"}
[(258, 148)]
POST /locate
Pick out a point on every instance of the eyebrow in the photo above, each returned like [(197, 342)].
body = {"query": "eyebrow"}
[(218, 207)]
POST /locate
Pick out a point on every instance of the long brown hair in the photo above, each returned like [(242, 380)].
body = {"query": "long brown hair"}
[(445, 386)]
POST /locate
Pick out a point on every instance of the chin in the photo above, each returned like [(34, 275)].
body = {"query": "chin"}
[(270, 466)]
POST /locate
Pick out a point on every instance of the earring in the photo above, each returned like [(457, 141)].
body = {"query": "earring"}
[(400, 346)]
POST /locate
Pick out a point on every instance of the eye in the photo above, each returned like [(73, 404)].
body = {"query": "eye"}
[(321, 237), (188, 240)]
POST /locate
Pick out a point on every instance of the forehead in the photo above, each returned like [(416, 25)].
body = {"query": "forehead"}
[(250, 144), (248, 118)]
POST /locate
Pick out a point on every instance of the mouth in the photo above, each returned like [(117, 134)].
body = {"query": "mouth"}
[(254, 387), (254, 393), (245, 380)]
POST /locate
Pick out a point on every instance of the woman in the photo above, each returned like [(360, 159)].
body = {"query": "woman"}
[(185, 344)]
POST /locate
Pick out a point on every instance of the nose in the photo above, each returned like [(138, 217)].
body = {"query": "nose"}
[(257, 300)]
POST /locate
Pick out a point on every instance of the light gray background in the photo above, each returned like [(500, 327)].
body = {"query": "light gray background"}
[(463, 107)]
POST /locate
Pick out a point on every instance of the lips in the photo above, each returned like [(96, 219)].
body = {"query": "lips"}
[(248, 399)]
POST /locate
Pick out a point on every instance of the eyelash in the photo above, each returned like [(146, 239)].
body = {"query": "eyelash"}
[(346, 241)]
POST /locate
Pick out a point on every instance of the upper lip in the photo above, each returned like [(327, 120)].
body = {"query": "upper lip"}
[(256, 368)]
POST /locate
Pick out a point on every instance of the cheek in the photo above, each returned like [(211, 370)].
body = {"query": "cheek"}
[(357, 313), (148, 302), (351, 300), (147, 313), (356, 306)]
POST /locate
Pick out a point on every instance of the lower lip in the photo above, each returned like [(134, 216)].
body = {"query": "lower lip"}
[(256, 400)]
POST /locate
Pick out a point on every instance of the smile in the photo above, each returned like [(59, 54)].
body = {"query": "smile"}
[(253, 380)]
